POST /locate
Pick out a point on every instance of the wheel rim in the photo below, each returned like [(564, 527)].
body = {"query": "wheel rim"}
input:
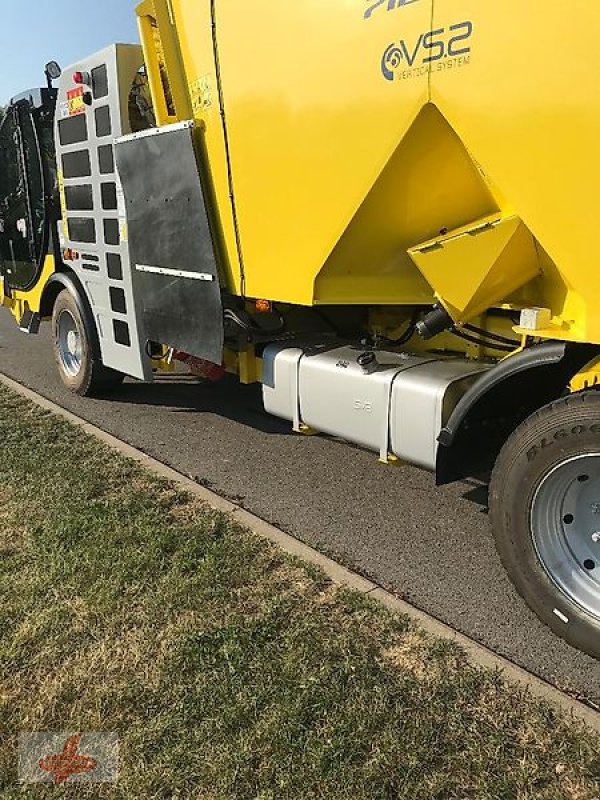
[(69, 344), (565, 525)]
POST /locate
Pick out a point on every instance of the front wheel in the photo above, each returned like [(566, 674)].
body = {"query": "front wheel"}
[(545, 514), (80, 369)]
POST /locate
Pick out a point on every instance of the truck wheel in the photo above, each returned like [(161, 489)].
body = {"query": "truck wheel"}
[(545, 514), (79, 368)]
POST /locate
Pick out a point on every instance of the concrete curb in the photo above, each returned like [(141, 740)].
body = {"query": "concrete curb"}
[(336, 572)]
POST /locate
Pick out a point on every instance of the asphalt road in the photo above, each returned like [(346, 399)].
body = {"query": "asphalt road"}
[(432, 546)]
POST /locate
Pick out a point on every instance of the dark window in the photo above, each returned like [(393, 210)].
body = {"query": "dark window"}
[(100, 82), (103, 126), (72, 130), (117, 300), (121, 330), (114, 266), (79, 198), (111, 231), (82, 230), (106, 159), (109, 196), (77, 164)]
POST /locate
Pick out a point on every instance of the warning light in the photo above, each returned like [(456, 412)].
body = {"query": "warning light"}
[(81, 78), (70, 255), (263, 306)]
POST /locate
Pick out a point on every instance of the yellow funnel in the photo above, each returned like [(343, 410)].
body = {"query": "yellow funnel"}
[(476, 267)]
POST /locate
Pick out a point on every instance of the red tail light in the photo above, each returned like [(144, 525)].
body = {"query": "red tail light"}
[(81, 78)]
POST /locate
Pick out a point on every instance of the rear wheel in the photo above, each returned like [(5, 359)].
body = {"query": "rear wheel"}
[(545, 513), (78, 365)]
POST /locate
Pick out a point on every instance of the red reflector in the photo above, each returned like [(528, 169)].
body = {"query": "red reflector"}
[(82, 78), (200, 367)]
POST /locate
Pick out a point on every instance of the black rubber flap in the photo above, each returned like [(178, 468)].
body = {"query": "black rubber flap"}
[(169, 233)]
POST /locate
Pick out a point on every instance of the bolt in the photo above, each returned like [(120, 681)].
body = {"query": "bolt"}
[(596, 537)]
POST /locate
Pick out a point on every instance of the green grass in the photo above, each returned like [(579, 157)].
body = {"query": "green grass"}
[(228, 669)]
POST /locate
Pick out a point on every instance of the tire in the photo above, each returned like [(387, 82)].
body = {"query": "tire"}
[(545, 515), (80, 369)]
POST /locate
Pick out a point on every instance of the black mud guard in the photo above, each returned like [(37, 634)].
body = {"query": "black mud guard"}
[(500, 400), (69, 281)]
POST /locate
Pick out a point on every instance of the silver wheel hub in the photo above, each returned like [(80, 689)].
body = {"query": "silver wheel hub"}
[(565, 526), (69, 344)]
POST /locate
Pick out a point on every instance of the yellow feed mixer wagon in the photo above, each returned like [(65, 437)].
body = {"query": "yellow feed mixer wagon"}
[(383, 211)]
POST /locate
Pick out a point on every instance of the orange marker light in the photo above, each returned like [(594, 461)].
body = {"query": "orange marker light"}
[(263, 306)]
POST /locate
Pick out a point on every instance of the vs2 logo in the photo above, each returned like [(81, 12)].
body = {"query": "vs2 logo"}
[(430, 47), (391, 5)]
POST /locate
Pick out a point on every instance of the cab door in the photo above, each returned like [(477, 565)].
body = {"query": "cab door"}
[(24, 200)]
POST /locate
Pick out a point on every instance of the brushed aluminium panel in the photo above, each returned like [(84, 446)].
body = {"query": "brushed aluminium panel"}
[(340, 398), (280, 381), (422, 401)]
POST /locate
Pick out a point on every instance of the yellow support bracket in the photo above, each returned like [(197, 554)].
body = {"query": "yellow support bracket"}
[(250, 366), (164, 64)]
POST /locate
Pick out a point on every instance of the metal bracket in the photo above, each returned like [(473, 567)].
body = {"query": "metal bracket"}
[(30, 323), (296, 395), (6, 291), (176, 273)]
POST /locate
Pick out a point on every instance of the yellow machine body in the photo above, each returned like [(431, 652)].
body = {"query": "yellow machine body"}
[(381, 210), (21, 302), (343, 138)]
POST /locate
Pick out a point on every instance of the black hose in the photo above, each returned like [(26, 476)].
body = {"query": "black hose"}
[(407, 335), (231, 315), (244, 321), (481, 343), (496, 337)]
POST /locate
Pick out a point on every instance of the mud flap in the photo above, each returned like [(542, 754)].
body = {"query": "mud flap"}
[(174, 264)]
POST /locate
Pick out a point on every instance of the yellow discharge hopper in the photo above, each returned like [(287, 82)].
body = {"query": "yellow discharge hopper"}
[(476, 267)]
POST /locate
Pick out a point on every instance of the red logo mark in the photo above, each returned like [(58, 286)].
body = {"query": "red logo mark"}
[(70, 762)]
